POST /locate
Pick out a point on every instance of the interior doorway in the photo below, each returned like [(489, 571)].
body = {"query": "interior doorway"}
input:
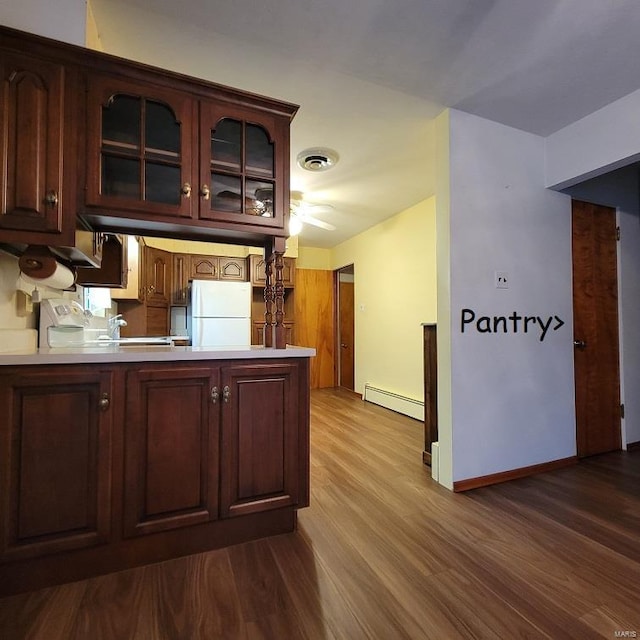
[(345, 327), (595, 328)]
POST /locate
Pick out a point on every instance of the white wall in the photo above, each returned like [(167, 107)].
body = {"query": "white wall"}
[(59, 19), (620, 189), (603, 141), (512, 396)]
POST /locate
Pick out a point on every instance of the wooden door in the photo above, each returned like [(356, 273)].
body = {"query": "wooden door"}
[(171, 460), (595, 328), (346, 302), (55, 459), (260, 457), (315, 318)]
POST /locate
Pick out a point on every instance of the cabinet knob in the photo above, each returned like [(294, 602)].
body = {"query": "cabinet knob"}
[(205, 192), (51, 198), (151, 288), (186, 190), (214, 395), (226, 393), (104, 402)]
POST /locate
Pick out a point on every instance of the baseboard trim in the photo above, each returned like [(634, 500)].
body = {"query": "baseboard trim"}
[(633, 446), (426, 458), (505, 476)]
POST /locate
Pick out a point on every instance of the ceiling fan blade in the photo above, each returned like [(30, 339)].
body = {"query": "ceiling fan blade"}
[(318, 223)]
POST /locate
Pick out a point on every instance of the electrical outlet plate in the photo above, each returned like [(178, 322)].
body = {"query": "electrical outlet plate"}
[(501, 279)]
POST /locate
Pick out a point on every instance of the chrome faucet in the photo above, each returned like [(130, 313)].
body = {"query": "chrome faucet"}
[(114, 326)]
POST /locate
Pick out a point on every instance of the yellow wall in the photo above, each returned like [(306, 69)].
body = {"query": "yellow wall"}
[(213, 248), (93, 36), (312, 258), (395, 291)]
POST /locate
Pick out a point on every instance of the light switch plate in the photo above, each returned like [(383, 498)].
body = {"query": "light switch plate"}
[(501, 280)]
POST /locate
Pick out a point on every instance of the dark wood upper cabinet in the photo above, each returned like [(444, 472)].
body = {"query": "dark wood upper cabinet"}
[(131, 148), (157, 279), (140, 148), (163, 154), (242, 166), (114, 266), (37, 149)]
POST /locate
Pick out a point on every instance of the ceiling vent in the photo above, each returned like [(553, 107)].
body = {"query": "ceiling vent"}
[(317, 159)]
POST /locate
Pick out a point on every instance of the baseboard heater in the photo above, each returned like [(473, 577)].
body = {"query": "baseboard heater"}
[(394, 401)]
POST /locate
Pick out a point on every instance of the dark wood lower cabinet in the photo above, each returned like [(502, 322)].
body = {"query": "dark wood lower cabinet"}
[(56, 461), (260, 465), (171, 458), (108, 467)]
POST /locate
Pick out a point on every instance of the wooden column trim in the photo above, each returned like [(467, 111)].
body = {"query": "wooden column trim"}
[(275, 333), (430, 391), (269, 293)]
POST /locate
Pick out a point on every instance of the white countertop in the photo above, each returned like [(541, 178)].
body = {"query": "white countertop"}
[(147, 353)]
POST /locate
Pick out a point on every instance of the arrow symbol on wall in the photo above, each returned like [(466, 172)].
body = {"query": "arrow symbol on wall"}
[(560, 323)]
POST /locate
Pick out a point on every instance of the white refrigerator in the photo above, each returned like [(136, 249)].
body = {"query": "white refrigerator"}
[(219, 313)]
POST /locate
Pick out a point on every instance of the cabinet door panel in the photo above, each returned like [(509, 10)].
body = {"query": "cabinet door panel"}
[(157, 267), (232, 269), (32, 113), (243, 166), (180, 279), (140, 148), (171, 466), (260, 457), (58, 461), (204, 268)]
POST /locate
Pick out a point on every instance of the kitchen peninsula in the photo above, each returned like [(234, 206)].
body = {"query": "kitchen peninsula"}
[(114, 457)]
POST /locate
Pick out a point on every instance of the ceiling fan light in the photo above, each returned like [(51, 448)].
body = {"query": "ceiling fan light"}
[(295, 225), (317, 159)]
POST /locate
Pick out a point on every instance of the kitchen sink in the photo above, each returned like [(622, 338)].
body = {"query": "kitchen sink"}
[(142, 341)]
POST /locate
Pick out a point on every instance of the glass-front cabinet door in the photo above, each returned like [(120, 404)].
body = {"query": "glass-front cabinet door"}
[(141, 146), (242, 169)]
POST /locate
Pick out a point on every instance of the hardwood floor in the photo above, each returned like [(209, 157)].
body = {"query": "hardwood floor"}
[(385, 553)]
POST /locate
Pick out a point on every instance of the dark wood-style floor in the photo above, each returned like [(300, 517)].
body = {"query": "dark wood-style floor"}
[(385, 553)]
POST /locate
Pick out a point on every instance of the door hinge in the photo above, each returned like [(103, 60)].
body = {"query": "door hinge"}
[(618, 233), (622, 411)]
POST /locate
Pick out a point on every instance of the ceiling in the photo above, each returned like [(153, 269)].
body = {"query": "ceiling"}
[(370, 76)]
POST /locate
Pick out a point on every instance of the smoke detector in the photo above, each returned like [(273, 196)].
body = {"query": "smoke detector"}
[(317, 159)]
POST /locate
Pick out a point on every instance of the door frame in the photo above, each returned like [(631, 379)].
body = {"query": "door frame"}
[(336, 296)]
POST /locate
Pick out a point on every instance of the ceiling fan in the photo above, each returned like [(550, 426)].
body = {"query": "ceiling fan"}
[(305, 213)]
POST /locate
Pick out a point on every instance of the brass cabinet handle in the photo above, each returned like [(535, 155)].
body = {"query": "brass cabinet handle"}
[(226, 393), (104, 402), (151, 288), (214, 395), (186, 190), (205, 192), (51, 198)]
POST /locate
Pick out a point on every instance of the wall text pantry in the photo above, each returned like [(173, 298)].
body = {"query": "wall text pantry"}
[(514, 323)]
